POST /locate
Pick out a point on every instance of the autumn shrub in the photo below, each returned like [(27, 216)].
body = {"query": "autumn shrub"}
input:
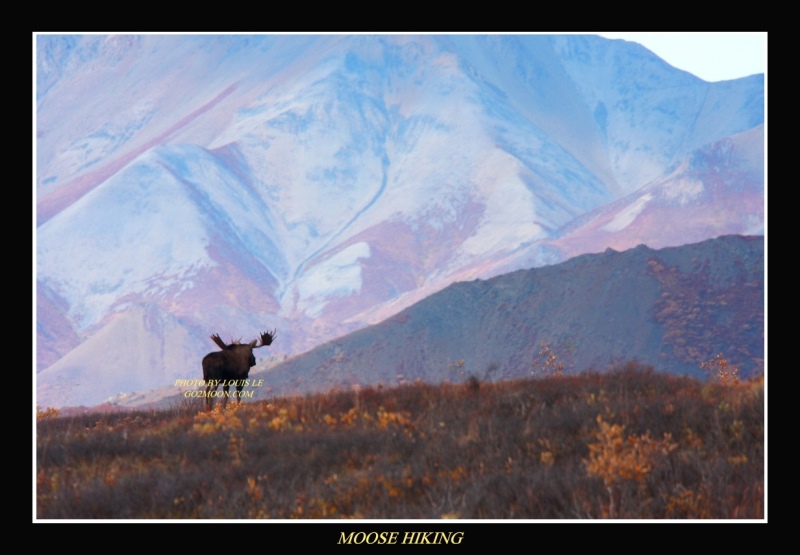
[(617, 459), (718, 368), (547, 363), (46, 413)]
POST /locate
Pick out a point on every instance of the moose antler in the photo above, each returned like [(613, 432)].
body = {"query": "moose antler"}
[(267, 337), (220, 343)]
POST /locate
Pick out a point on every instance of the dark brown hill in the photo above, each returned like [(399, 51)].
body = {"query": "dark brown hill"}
[(672, 308)]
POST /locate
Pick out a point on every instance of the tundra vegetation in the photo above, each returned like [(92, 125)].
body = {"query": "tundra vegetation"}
[(626, 443)]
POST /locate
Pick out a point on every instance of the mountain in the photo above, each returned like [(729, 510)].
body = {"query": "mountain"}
[(672, 308), (189, 185)]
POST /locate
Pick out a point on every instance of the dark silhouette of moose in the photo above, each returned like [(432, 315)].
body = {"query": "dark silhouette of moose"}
[(230, 366)]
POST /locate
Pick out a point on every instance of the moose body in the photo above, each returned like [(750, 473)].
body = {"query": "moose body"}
[(231, 365)]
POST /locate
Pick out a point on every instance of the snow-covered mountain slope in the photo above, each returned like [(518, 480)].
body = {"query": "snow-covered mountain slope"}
[(189, 185)]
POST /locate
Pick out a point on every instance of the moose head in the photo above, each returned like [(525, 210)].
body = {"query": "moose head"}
[(231, 365)]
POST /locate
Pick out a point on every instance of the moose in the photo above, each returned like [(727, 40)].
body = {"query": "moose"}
[(230, 365)]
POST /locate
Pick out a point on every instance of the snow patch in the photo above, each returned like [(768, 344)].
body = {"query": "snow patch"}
[(510, 215), (628, 215), (336, 276)]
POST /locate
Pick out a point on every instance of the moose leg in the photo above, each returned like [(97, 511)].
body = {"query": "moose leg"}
[(239, 392), (209, 402), (225, 386)]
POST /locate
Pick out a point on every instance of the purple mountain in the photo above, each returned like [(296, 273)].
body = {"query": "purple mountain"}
[(189, 185)]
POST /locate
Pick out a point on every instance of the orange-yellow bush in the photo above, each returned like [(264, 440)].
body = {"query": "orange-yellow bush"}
[(547, 364), (46, 413), (720, 370), (613, 457)]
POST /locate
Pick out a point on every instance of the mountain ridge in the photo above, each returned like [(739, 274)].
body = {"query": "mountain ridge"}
[(317, 184), (673, 308)]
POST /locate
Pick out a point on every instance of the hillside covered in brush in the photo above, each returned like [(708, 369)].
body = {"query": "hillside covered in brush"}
[(629, 443)]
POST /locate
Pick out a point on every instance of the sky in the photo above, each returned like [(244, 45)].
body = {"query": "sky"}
[(710, 56)]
